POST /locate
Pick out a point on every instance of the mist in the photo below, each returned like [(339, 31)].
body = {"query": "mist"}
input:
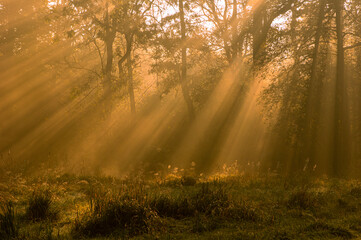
[(180, 89)]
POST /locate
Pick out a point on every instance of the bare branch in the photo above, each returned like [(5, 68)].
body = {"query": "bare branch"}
[(352, 46)]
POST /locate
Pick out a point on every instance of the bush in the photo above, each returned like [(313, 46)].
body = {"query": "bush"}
[(40, 207), (115, 215), (8, 226)]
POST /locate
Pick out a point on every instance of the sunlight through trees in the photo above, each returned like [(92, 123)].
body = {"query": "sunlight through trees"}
[(120, 86)]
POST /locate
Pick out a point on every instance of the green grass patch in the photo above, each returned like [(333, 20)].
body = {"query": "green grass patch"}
[(68, 206)]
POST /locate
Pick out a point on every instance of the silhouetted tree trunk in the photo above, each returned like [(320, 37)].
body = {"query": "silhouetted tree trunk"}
[(130, 74), (184, 84), (283, 156), (312, 105), (262, 22), (340, 160), (358, 102), (109, 40), (234, 19), (121, 73), (127, 80), (259, 16)]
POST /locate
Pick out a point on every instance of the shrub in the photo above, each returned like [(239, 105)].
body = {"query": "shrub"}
[(114, 215), (8, 226), (40, 207)]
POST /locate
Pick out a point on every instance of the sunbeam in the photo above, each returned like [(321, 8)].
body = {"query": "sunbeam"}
[(180, 119)]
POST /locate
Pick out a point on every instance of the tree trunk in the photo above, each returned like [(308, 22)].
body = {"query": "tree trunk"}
[(109, 40), (130, 75), (257, 33), (312, 104), (183, 80), (341, 159), (357, 78), (262, 22), (234, 24)]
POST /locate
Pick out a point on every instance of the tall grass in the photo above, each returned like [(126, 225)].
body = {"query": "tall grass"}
[(40, 206), (116, 214), (137, 212), (9, 228)]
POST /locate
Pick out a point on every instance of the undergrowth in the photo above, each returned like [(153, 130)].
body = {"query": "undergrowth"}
[(9, 228), (40, 206), (229, 207), (115, 216)]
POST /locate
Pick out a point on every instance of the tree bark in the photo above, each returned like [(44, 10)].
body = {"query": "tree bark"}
[(262, 21), (312, 105), (258, 25), (130, 75), (341, 159), (357, 77), (183, 80), (109, 40), (234, 24)]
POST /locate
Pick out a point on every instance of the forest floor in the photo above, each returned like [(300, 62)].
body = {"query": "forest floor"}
[(66, 206)]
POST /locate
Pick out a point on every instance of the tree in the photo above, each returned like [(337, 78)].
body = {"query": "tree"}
[(313, 92), (263, 16), (183, 77), (118, 26), (134, 28), (341, 137)]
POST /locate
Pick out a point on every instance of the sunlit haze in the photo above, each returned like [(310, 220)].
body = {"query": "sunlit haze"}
[(159, 89)]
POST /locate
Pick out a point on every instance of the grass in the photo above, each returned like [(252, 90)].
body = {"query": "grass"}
[(40, 206), (303, 199), (66, 206), (115, 216), (9, 228), (323, 229)]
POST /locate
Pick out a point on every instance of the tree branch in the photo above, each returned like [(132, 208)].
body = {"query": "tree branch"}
[(352, 46)]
